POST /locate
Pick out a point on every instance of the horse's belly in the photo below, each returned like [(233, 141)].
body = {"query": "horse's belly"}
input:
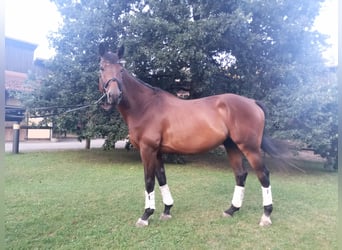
[(193, 141), (189, 148)]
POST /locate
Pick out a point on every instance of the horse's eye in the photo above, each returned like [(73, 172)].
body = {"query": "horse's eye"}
[(102, 68)]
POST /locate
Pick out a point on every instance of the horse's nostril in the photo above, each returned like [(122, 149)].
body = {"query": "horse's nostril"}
[(109, 98)]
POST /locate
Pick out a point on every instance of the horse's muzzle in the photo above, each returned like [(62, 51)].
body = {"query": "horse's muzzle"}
[(113, 92), (114, 98), (111, 101), (106, 106)]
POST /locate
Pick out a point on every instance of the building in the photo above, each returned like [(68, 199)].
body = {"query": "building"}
[(19, 61)]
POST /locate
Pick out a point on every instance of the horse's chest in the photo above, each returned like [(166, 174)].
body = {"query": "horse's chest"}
[(147, 135), (134, 140)]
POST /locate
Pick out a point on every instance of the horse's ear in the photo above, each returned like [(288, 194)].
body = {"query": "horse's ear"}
[(121, 51), (102, 49)]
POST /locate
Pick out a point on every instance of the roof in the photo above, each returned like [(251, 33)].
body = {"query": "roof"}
[(19, 43), (19, 60), (15, 81)]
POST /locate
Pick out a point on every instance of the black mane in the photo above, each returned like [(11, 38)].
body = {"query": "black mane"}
[(148, 85)]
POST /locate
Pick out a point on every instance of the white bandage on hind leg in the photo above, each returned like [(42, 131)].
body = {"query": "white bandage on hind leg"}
[(239, 193), (266, 196), (166, 194), (149, 200)]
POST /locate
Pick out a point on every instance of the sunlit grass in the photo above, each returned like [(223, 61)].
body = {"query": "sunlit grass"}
[(92, 199)]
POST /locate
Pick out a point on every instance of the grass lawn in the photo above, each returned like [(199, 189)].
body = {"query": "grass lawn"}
[(92, 199)]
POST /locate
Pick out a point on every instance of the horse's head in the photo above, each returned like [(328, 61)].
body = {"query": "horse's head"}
[(110, 80)]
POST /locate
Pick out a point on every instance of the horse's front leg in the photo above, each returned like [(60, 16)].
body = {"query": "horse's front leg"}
[(149, 197), (149, 159)]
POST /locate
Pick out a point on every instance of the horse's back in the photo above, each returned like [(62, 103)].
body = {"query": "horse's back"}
[(192, 126)]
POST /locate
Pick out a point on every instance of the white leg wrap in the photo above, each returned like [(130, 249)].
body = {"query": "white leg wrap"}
[(239, 193), (166, 194), (266, 196), (149, 200)]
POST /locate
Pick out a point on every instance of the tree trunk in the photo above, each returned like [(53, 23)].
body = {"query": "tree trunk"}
[(87, 146)]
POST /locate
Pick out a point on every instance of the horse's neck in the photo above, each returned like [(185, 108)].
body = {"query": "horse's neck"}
[(136, 97)]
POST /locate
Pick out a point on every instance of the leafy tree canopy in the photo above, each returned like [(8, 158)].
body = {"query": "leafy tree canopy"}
[(262, 49)]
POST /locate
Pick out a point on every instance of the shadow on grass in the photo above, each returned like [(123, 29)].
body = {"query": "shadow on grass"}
[(213, 159)]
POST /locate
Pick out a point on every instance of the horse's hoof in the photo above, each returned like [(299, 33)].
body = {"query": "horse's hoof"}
[(141, 223), (226, 215), (165, 216), (265, 221)]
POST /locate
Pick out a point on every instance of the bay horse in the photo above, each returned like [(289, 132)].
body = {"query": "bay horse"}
[(159, 122)]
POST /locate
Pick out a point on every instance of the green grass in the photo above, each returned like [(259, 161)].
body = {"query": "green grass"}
[(92, 199)]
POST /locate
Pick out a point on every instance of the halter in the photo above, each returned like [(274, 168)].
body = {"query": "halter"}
[(114, 79)]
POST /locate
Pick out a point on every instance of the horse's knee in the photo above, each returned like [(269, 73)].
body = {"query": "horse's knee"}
[(241, 179), (149, 184)]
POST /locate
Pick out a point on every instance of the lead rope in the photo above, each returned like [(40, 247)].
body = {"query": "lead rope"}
[(72, 110), (85, 106)]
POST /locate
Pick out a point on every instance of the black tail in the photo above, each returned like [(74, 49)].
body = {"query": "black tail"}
[(279, 150), (276, 148)]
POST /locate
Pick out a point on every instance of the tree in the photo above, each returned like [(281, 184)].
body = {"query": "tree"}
[(308, 114), (72, 74), (260, 43), (260, 49)]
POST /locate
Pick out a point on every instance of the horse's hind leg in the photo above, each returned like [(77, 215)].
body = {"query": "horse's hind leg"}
[(164, 189), (235, 159), (257, 163)]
